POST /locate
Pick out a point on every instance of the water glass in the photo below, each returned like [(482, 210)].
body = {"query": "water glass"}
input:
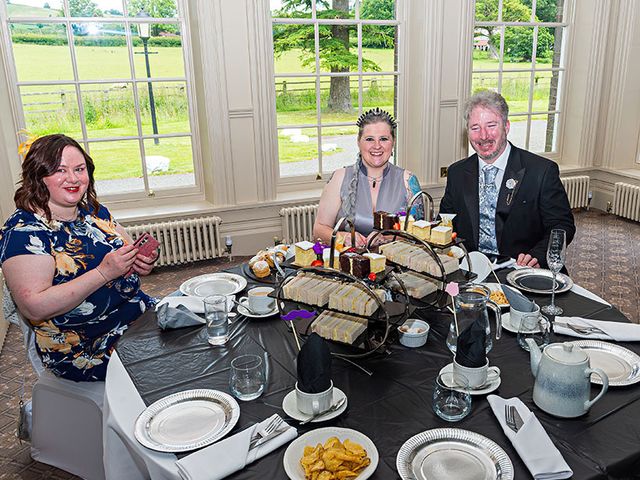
[(535, 326), (216, 315), (451, 397), (556, 256), (247, 377)]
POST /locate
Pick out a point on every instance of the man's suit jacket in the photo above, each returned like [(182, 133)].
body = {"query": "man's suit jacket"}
[(525, 215)]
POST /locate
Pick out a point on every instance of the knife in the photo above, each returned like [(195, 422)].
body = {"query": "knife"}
[(517, 419)]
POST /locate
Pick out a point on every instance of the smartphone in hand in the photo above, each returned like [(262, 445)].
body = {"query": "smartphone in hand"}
[(146, 245)]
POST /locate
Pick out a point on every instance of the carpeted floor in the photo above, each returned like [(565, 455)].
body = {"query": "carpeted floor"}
[(604, 258)]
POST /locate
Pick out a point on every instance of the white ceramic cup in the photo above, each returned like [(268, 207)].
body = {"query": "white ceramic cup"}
[(259, 300), (477, 376), (314, 403), (515, 316)]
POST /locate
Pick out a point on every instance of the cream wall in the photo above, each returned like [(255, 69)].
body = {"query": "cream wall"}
[(235, 118)]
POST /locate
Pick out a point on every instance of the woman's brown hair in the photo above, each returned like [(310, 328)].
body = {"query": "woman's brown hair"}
[(42, 160)]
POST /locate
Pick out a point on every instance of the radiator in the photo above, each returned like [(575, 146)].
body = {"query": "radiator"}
[(577, 190), (297, 223), (183, 241), (626, 201)]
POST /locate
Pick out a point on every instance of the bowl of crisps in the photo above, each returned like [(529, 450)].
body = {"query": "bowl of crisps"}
[(497, 294), (331, 453)]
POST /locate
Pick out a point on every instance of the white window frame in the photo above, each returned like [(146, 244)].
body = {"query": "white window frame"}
[(562, 69), (297, 180), (197, 190)]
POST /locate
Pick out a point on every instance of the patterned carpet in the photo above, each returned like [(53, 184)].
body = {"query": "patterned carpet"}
[(604, 258)]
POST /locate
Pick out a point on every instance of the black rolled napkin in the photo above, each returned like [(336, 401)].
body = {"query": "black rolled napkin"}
[(314, 365), (471, 346)]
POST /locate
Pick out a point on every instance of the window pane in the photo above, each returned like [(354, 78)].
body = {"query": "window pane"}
[(339, 147), (108, 110), (486, 11), (515, 11), (169, 162), (376, 55), (298, 151), (171, 108), (283, 9), (377, 10), (552, 56), (101, 51), (36, 61), (92, 9), (294, 49), (379, 91), (338, 95), (162, 9), (51, 109), (515, 90), (337, 50), (545, 91), (118, 166), (518, 47), (484, 81), (296, 101), (518, 131), (111, 8), (544, 133), (164, 54), (33, 8), (550, 10), (336, 9)]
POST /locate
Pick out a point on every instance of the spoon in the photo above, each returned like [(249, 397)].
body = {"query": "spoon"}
[(332, 408), (246, 307)]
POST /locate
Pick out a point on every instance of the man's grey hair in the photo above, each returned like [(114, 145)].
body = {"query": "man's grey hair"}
[(487, 99)]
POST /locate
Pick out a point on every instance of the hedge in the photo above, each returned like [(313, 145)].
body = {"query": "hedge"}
[(93, 41)]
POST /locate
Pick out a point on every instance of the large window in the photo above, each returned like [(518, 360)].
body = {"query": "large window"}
[(517, 51), (111, 74), (333, 59)]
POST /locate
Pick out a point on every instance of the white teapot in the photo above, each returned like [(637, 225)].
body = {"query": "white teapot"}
[(562, 376)]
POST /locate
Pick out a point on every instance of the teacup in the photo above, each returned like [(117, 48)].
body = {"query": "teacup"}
[(477, 376), (259, 300), (314, 403), (515, 316)]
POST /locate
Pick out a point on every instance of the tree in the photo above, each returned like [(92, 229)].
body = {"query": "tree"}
[(84, 8), (378, 36), (335, 53), (487, 11), (156, 9)]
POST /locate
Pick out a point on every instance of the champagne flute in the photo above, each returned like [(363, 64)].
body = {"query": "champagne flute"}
[(556, 255)]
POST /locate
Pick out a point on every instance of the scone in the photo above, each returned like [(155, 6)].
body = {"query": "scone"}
[(261, 269)]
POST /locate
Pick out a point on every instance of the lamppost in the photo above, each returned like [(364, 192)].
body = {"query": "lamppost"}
[(144, 31)]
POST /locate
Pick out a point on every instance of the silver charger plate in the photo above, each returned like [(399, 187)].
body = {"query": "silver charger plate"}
[(187, 420), (221, 283), (538, 280), (621, 365), (452, 453)]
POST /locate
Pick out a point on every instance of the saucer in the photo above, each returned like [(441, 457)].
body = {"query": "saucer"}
[(509, 327), (290, 408), (483, 389), (242, 310)]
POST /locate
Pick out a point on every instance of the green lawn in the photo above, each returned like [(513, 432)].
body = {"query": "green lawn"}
[(111, 109)]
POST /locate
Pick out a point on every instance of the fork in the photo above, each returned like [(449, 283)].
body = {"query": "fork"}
[(510, 413), (582, 330), (271, 427)]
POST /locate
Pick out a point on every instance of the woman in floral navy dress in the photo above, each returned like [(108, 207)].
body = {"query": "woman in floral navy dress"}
[(66, 262)]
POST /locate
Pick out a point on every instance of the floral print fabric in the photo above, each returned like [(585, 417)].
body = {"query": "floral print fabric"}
[(77, 345), (487, 242)]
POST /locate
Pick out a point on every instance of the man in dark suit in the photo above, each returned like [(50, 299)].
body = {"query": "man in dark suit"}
[(506, 200)]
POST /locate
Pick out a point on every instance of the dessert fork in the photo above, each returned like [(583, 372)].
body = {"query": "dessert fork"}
[(271, 427), (582, 329)]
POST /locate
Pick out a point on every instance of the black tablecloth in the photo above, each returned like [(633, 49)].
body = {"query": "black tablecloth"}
[(394, 403)]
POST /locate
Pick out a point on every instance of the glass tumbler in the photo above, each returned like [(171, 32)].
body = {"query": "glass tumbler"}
[(451, 397), (247, 377), (535, 326), (216, 315)]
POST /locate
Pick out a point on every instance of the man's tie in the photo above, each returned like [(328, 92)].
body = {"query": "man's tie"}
[(487, 242)]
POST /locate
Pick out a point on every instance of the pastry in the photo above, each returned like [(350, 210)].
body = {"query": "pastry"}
[(402, 219), (384, 220), (354, 264), (441, 235), (304, 254), (261, 269), (336, 258), (421, 229), (377, 262)]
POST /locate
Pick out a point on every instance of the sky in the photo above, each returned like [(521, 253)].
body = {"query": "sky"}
[(56, 4)]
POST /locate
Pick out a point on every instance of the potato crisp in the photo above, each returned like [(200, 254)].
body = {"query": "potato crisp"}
[(334, 460)]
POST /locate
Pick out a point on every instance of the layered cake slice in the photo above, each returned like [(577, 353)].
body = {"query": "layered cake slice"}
[(441, 235), (421, 229), (304, 254), (384, 220), (355, 264), (377, 262)]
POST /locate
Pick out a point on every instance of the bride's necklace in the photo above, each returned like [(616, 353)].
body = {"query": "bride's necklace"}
[(374, 180), (65, 219)]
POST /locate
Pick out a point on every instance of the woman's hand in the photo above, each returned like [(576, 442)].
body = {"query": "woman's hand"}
[(143, 265), (117, 263)]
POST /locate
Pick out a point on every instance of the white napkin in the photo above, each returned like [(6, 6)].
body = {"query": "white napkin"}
[(586, 293), (231, 454), (532, 442), (194, 304), (618, 331)]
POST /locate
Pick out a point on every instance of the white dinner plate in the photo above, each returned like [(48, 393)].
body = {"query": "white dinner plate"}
[(295, 450), (242, 310), (483, 390), (452, 454), (621, 365), (221, 283), (290, 408), (187, 420)]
